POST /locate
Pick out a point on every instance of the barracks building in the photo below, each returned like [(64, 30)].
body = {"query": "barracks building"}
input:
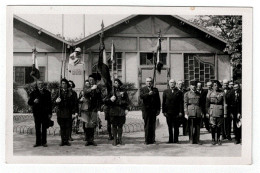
[(188, 51)]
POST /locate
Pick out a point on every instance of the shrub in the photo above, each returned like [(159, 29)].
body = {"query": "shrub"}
[(19, 104)]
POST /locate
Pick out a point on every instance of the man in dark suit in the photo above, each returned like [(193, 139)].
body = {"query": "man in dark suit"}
[(226, 128), (40, 101), (172, 110), (150, 109), (203, 96), (236, 108)]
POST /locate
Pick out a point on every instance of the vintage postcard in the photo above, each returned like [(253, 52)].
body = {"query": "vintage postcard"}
[(133, 84)]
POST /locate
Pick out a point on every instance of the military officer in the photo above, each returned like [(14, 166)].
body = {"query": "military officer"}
[(150, 109), (192, 109), (216, 111), (172, 110)]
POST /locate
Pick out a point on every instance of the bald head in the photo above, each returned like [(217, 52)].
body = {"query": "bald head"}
[(172, 83)]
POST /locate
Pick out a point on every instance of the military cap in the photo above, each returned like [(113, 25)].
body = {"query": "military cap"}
[(193, 82)]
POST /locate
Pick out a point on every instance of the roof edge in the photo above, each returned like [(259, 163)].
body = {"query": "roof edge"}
[(42, 30)]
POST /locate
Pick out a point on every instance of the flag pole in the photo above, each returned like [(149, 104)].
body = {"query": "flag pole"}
[(61, 66), (112, 57)]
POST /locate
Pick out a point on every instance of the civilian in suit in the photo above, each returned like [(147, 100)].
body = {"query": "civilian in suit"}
[(150, 109), (226, 128), (76, 104), (192, 109), (184, 122), (65, 109), (203, 94), (40, 101), (236, 108), (172, 110)]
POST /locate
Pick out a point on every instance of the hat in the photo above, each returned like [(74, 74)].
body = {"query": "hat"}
[(78, 49), (225, 81), (193, 82), (72, 84), (231, 83)]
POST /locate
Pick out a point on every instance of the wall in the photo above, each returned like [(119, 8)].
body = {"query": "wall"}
[(177, 66), (224, 67), (131, 68)]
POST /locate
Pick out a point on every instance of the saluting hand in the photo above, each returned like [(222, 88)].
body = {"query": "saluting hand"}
[(36, 101), (150, 92), (113, 98), (94, 87), (58, 100), (186, 116)]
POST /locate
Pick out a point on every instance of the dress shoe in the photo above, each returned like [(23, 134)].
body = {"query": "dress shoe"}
[(45, 145), (169, 142), (94, 143), (219, 142), (213, 142), (120, 142), (36, 145), (229, 138)]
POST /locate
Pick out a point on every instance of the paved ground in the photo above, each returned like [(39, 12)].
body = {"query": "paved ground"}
[(134, 145)]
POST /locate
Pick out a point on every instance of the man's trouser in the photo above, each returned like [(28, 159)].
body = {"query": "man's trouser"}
[(194, 129)]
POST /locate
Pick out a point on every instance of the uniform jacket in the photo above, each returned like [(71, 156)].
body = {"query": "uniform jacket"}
[(172, 101), (118, 107), (66, 107), (215, 104), (151, 103), (192, 104), (44, 107)]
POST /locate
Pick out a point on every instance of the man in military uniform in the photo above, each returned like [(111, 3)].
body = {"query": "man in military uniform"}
[(40, 101), (172, 110), (216, 111), (192, 109), (150, 109), (236, 108)]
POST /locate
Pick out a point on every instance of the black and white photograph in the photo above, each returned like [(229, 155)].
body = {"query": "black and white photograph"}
[(133, 84)]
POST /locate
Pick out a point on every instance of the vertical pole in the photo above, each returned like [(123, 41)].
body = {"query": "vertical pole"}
[(112, 70), (83, 25), (62, 25)]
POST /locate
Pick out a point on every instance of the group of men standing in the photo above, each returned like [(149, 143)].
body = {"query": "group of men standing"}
[(215, 107)]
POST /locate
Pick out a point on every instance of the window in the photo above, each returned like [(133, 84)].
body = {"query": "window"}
[(22, 75), (117, 64), (200, 67), (148, 58)]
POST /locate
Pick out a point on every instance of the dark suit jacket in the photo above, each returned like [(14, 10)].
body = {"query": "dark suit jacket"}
[(151, 103), (172, 102), (203, 98), (44, 107), (235, 104)]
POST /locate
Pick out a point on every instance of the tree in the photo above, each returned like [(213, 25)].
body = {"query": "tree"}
[(228, 28)]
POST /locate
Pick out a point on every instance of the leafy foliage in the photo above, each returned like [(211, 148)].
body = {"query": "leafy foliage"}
[(228, 28), (19, 104)]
